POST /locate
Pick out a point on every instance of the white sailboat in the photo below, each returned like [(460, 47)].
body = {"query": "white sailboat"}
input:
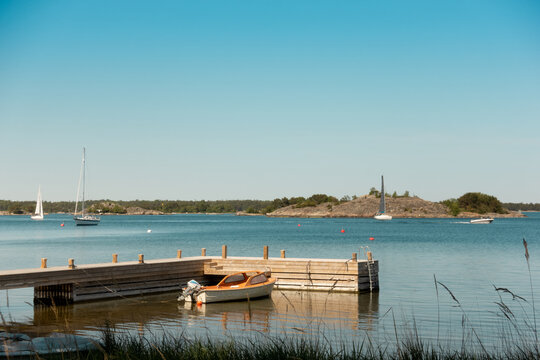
[(83, 218), (38, 213), (382, 205)]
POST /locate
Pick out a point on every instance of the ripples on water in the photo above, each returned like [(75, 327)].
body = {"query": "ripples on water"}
[(468, 259)]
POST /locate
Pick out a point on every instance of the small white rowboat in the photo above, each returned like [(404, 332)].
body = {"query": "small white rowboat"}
[(237, 286)]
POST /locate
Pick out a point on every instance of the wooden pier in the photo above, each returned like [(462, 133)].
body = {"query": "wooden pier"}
[(75, 283)]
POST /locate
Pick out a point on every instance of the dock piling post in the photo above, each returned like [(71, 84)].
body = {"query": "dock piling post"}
[(354, 257), (265, 252), (223, 251), (43, 263), (203, 252), (71, 263), (178, 254), (283, 254), (141, 258), (369, 256), (114, 258)]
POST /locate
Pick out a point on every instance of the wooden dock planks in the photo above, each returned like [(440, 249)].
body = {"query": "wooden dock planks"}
[(107, 280)]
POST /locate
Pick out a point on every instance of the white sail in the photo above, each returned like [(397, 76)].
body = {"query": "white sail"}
[(38, 213), (382, 205)]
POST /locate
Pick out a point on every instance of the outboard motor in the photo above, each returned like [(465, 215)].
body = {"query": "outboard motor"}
[(192, 288)]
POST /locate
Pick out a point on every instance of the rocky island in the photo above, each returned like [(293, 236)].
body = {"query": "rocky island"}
[(470, 205), (399, 207)]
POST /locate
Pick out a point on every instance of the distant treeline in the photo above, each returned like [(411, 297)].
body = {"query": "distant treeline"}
[(522, 206), (174, 206), (119, 207), (299, 202), (475, 202)]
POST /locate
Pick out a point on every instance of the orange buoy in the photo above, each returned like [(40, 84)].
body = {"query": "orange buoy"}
[(62, 224), (371, 238), (299, 225), (199, 303), (342, 230)]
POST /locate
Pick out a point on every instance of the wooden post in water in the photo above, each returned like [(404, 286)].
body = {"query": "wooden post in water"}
[(178, 254), (114, 258), (265, 252), (141, 258), (203, 252), (71, 263), (354, 257), (43, 263), (369, 256), (223, 251), (283, 254)]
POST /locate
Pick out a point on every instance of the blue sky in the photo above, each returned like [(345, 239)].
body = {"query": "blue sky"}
[(264, 99)]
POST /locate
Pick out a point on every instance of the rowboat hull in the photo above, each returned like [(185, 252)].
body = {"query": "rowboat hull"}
[(231, 294)]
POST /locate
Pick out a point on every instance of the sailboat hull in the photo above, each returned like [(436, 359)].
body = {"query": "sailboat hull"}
[(86, 220), (36, 217), (382, 217)]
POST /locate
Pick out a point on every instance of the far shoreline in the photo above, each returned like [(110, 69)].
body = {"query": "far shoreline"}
[(459, 217)]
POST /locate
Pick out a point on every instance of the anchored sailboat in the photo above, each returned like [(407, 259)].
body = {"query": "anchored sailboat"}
[(382, 205), (83, 218), (38, 213)]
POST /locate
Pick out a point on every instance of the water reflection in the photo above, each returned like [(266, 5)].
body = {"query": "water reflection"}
[(285, 312)]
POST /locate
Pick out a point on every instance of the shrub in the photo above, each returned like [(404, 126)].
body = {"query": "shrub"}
[(480, 203)]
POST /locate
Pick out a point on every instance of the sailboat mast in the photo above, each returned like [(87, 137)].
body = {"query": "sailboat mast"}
[(39, 209), (40, 202), (382, 205), (79, 185), (83, 179)]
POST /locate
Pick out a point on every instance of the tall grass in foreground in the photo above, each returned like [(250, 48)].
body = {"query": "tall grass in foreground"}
[(518, 340), (116, 346)]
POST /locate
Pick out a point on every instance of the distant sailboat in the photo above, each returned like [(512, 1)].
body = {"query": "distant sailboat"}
[(83, 218), (38, 213), (382, 205)]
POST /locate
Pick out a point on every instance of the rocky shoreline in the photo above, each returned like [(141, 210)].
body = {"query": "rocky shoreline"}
[(362, 207), (366, 206)]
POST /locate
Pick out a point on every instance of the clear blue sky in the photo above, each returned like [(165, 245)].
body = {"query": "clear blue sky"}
[(264, 99)]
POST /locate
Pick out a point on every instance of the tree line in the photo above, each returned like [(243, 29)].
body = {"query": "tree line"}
[(522, 206), (473, 202), (120, 207)]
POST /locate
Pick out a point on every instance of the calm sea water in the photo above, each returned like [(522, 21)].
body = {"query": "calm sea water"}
[(468, 259)]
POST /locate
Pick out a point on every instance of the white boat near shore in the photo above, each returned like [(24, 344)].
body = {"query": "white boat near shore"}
[(83, 219), (481, 221), (381, 215), (38, 213), (237, 286)]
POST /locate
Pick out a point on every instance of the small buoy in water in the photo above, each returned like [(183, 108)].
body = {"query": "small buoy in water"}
[(199, 303), (149, 231), (62, 224), (342, 230), (371, 238), (299, 225)]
